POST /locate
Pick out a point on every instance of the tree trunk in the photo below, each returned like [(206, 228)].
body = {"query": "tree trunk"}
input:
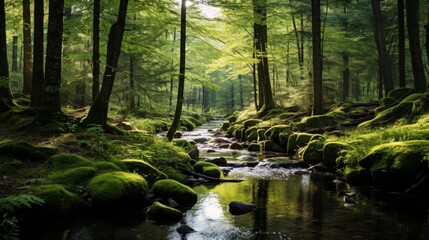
[(27, 47), (15, 54), (181, 89), (427, 39), (401, 43), (317, 58), (346, 77), (232, 92), (132, 90), (241, 92), (51, 91), (38, 74), (414, 40), (381, 47), (172, 67), (6, 102), (96, 50), (98, 112)]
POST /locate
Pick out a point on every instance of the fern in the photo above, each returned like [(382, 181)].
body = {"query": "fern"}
[(14, 202)]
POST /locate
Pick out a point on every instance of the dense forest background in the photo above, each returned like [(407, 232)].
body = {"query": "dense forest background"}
[(221, 75)]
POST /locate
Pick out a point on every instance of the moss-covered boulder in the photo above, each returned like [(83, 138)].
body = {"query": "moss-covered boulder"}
[(387, 101), (261, 134), (400, 93), (254, 147), (24, 150), (182, 194), (58, 200), (317, 121), (106, 167), (252, 134), (62, 161), (273, 132), (396, 165), (313, 152), (358, 176), (190, 147), (224, 126), (208, 168), (283, 139), (161, 213), (149, 172), (332, 150), (270, 146), (297, 140), (74, 177), (251, 122), (118, 189), (235, 146)]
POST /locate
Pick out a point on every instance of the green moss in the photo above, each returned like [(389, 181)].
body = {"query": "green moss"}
[(313, 152), (212, 171), (181, 193), (396, 165), (64, 161), (283, 139), (117, 188), (387, 102), (190, 147), (287, 115), (261, 135), (297, 140), (319, 121), (73, 177), (400, 93), (106, 167), (273, 132), (144, 169), (159, 212), (198, 167), (225, 125), (358, 176), (173, 173), (252, 134), (24, 150), (58, 201), (251, 122), (332, 150)]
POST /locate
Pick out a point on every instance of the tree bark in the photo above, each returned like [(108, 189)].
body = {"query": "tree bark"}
[(96, 50), (181, 88), (132, 91), (98, 112), (346, 77), (15, 54), (38, 74), (381, 47), (401, 43), (27, 47), (414, 40), (51, 92), (6, 102), (317, 58)]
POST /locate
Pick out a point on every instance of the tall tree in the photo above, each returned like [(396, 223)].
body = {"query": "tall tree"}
[(51, 91), (15, 54), (27, 47), (96, 50), (38, 75), (401, 43), (383, 56), (317, 58), (414, 40), (6, 102), (98, 112), (181, 88), (261, 40), (346, 77)]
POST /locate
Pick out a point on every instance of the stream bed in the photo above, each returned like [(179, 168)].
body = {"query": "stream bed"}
[(290, 204)]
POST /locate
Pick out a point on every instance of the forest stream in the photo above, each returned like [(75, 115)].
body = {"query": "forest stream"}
[(290, 203)]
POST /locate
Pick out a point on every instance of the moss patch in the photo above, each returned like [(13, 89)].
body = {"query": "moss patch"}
[(144, 169), (24, 150), (313, 152), (181, 193), (117, 188), (74, 177), (159, 212), (332, 150), (62, 161)]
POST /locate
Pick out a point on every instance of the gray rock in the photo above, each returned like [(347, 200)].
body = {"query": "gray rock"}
[(239, 208)]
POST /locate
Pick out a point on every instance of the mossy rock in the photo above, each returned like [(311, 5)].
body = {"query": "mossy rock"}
[(252, 134), (198, 167), (297, 140), (212, 171), (400, 93), (58, 200), (391, 114), (119, 189), (73, 177), (254, 147), (283, 139), (65, 161), (173, 173), (220, 161), (270, 146), (190, 147), (387, 101), (287, 115), (182, 194), (161, 213), (273, 132), (235, 146), (106, 167), (358, 176), (317, 137), (232, 119), (24, 150), (251, 122), (332, 150), (225, 125), (313, 152), (149, 172), (261, 134), (396, 165), (379, 109)]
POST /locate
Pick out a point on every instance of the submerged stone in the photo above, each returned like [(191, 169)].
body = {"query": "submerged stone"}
[(159, 212), (240, 208)]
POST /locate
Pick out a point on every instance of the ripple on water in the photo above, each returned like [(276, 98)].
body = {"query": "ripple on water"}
[(262, 171)]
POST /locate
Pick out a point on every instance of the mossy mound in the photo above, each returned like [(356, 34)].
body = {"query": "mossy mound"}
[(252, 134), (212, 172), (182, 194), (251, 122), (273, 132), (173, 173), (198, 167), (24, 150), (106, 167), (149, 172), (389, 115), (159, 212), (400, 93), (74, 177), (225, 126), (387, 101), (312, 122), (313, 152), (297, 140), (332, 150), (62, 161), (270, 146), (235, 146), (190, 147), (58, 201), (396, 165), (358, 176), (117, 189)]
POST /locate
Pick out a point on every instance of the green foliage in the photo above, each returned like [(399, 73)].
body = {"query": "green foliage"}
[(149, 172), (24, 150), (62, 161), (73, 178)]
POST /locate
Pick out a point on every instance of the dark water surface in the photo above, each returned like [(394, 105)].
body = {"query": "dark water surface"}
[(289, 206)]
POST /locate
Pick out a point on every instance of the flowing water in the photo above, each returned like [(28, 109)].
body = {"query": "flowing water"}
[(290, 204)]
